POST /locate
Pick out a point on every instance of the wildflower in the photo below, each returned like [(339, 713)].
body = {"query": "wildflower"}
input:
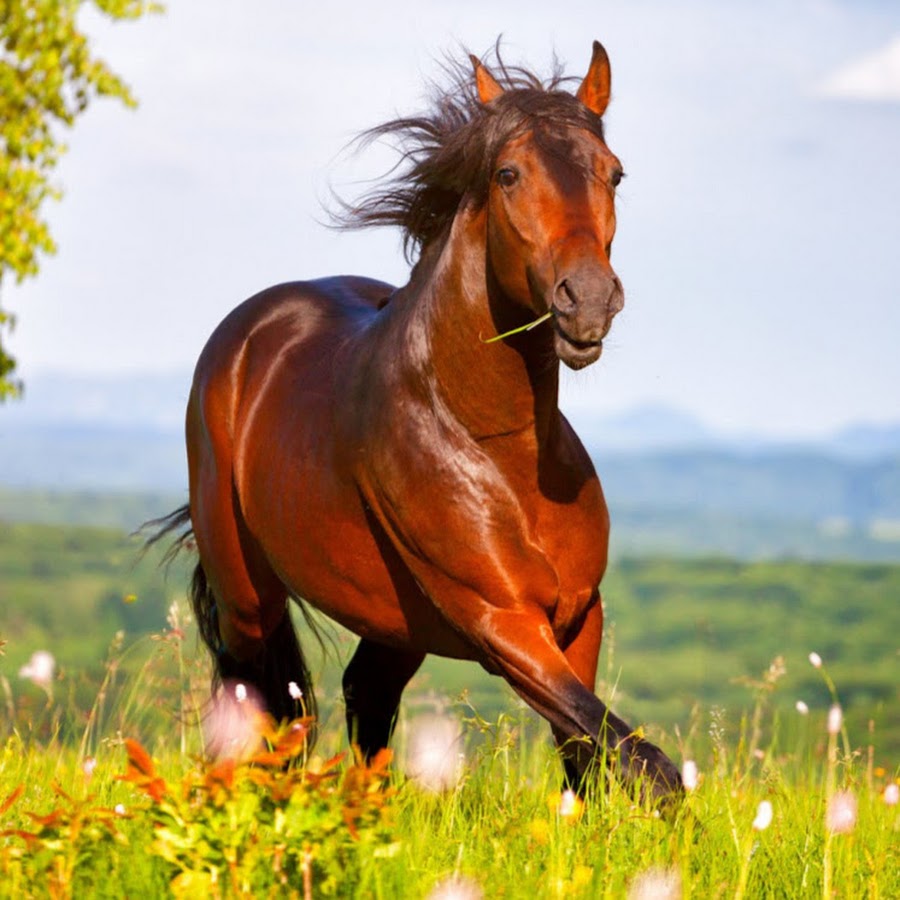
[(570, 805), (433, 760), (119, 809), (88, 766), (801, 708), (689, 775), (840, 817), (835, 719), (892, 794), (39, 669), (763, 816), (456, 887), (233, 728), (656, 884), (294, 691), (815, 660)]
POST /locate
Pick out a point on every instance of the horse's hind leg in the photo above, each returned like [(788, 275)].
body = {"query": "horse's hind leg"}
[(373, 683), (239, 602)]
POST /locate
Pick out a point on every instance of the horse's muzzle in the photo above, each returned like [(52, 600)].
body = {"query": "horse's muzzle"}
[(584, 305)]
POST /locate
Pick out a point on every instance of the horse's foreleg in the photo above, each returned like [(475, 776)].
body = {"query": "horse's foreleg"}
[(521, 645), (373, 683), (582, 654)]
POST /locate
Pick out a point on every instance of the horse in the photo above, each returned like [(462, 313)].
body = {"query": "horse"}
[(396, 457)]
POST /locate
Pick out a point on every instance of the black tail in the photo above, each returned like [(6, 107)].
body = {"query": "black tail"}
[(279, 668)]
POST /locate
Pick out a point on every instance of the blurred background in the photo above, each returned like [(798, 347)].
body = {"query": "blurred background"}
[(744, 419)]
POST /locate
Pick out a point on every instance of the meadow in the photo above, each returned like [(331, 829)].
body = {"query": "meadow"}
[(105, 790)]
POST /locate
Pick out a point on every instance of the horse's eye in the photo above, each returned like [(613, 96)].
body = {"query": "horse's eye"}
[(507, 177), (616, 176)]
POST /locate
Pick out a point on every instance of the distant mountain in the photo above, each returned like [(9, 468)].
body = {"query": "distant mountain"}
[(866, 441), (125, 434), (147, 402), (643, 428)]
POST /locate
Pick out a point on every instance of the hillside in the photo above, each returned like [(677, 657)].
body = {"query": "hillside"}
[(680, 634)]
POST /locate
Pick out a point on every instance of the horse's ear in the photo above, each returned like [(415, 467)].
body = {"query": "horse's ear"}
[(594, 90), (488, 86)]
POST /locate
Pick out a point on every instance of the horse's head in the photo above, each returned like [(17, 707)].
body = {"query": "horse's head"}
[(550, 208)]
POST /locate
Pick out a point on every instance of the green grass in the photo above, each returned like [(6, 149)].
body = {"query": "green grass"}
[(692, 647), (188, 828)]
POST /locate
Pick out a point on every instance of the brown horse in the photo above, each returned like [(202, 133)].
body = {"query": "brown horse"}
[(371, 450)]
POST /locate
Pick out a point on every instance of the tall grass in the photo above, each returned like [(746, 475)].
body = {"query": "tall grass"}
[(85, 810)]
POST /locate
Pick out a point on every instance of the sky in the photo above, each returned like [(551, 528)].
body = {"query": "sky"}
[(759, 224)]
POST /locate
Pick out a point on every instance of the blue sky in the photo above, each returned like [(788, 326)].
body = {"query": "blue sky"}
[(758, 226)]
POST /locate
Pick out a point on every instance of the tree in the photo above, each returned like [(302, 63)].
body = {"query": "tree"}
[(47, 79)]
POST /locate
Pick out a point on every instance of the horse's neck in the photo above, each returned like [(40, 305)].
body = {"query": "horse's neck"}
[(490, 388)]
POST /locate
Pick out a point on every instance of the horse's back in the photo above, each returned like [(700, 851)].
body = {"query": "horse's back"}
[(260, 329)]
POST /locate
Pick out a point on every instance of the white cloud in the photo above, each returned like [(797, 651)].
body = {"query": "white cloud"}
[(874, 77)]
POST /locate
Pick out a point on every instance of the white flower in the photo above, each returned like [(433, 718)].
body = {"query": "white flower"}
[(763, 816), (119, 809), (433, 759), (835, 719), (841, 814), (815, 660), (294, 690), (456, 887), (39, 669), (689, 775), (88, 767), (232, 728), (570, 804), (892, 794), (801, 708), (656, 884)]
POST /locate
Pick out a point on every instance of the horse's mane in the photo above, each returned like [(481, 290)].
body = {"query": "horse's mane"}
[(450, 151)]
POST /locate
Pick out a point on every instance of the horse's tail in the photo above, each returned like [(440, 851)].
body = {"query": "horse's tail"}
[(203, 602), (281, 669)]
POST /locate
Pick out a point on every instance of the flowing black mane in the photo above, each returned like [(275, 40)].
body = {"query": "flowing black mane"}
[(450, 151)]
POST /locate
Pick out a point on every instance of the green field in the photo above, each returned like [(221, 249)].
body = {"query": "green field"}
[(768, 817), (683, 637), (709, 655)]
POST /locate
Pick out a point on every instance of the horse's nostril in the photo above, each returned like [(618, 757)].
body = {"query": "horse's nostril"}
[(566, 300)]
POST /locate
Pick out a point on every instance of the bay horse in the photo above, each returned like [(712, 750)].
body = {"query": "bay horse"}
[(396, 457)]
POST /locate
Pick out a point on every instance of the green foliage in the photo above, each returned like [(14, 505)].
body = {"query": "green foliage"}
[(71, 824), (171, 826), (692, 631), (47, 79), (678, 632), (266, 821)]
